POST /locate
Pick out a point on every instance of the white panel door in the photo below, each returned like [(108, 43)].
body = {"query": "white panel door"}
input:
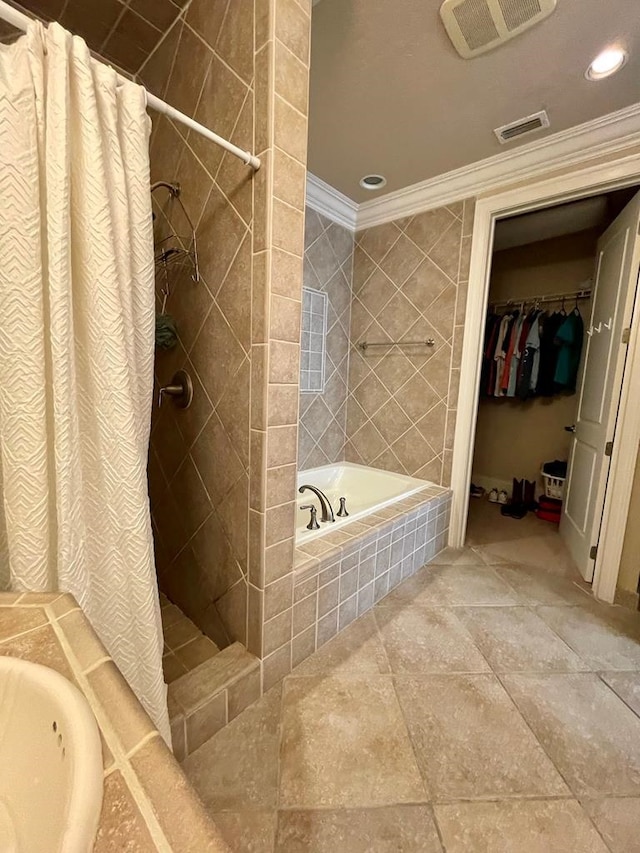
[(614, 288)]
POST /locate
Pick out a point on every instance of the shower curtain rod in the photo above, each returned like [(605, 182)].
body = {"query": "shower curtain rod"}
[(21, 21)]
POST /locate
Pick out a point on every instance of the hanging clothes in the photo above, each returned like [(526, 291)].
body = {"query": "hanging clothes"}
[(501, 352), (530, 363), (522, 331), (531, 354), (569, 337), (546, 386), (513, 339)]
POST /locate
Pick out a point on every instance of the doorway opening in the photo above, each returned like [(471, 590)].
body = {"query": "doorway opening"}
[(551, 264)]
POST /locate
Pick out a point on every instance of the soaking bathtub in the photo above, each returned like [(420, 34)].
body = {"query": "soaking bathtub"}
[(366, 490)]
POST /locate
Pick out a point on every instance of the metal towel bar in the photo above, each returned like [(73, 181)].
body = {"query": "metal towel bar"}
[(364, 345)]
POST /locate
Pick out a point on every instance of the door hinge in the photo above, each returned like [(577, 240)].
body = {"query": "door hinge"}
[(626, 336), (608, 448), (593, 553)]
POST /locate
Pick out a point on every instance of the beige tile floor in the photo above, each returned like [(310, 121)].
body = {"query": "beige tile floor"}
[(487, 704)]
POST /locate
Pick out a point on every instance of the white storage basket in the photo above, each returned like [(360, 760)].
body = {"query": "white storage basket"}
[(553, 486)]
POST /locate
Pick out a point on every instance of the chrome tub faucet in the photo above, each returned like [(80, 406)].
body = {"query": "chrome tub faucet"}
[(325, 504)]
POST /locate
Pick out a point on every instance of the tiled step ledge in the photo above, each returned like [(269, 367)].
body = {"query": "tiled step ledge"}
[(210, 696), (337, 581)]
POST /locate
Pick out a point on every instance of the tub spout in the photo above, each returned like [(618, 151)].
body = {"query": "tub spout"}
[(325, 504)]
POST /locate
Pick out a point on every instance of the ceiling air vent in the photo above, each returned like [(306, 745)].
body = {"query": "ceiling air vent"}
[(476, 26), (522, 127)]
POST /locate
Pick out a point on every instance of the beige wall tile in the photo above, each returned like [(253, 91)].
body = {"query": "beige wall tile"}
[(284, 362), (263, 96), (293, 28), (402, 390), (259, 356), (262, 204), (255, 621), (291, 78), (263, 10), (289, 177), (286, 274), (283, 405), (235, 41), (281, 484), (281, 446), (277, 632), (241, 328), (280, 523), (257, 526), (285, 319), (257, 472), (288, 227), (278, 561), (276, 667), (243, 692), (130, 722), (290, 130), (278, 596), (304, 614), (206, 721)]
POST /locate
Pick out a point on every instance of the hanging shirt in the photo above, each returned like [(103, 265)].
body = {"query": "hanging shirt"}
[(515, 359), (549, 348), (530, 363), (569, 338), (512, 335), (500, 353), (534, 341), (489, 365)]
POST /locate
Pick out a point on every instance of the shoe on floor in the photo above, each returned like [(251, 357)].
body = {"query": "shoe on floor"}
[(493, 496), (477, 491), (514, 510), (503, 497)]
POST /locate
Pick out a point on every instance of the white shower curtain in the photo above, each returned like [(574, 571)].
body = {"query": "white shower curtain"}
[(76, 345)]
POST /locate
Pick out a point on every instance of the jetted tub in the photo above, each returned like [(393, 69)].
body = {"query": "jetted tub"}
[(366, 490), (51, 760)]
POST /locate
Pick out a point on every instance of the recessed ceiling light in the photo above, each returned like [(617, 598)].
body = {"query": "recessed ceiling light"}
[(606, 63), (373, 182)]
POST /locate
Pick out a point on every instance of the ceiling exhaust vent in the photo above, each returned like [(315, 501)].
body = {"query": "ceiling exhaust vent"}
[(522, 127), (476, 26)]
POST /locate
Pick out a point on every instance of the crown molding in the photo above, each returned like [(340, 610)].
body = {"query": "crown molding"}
[(330, 202), (605, 135)]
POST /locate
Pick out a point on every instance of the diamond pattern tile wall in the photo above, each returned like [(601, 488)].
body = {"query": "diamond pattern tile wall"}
[(409, 284), (123, 31), (200, 457), (328, 263)]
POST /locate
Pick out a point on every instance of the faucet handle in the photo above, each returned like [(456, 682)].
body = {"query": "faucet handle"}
[(313, 523), (342, 512)]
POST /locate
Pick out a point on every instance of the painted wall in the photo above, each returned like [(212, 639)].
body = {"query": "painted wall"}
[(222, 472), (630, 560), (328, 263), (409, 284), (514, 438)]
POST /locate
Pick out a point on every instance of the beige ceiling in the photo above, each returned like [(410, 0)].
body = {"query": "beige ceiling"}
[(390, 95)]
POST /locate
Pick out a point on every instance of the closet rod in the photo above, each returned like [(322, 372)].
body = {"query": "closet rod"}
[(584, 293), (21, 21)]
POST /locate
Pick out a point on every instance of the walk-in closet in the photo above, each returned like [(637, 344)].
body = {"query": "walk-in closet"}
[(539, 320)]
